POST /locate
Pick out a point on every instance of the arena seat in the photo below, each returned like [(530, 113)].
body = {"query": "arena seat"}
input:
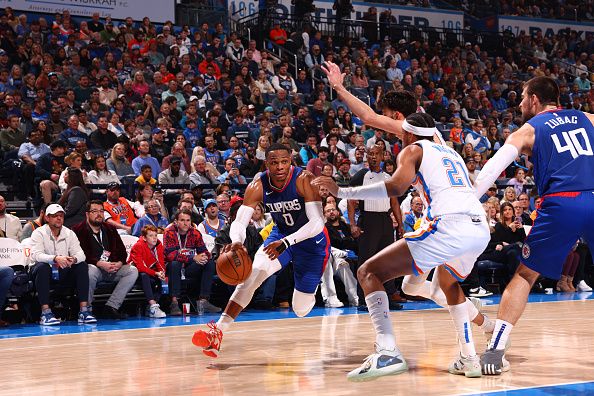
[(493, 275)]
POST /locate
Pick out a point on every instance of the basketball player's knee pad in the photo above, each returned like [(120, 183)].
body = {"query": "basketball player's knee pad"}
[(303, 302)]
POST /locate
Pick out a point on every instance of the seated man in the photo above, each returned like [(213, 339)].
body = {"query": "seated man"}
[(57, 254), (10, 225), (415, 214), (231, 175), (341, 240), (118, 210), (106, 256), (185, 249)]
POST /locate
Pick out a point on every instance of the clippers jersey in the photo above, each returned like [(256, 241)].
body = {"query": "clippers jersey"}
[(443, 183), (562, 153), (285, 205)]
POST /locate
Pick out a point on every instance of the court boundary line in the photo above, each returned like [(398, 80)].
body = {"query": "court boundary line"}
[(511, 389), (261, 320)]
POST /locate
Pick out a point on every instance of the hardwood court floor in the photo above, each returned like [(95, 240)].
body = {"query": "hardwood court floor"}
[(553, 344)]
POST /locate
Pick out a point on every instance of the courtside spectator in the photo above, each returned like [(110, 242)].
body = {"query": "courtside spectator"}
[(185, 249), (10, 225), (152, 217), (147, 256), (56, 252), (106, 256)]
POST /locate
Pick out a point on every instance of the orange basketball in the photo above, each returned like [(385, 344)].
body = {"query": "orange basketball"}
[(234, 267)]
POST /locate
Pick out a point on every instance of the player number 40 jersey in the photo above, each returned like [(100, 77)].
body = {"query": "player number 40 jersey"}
[(443, 182)]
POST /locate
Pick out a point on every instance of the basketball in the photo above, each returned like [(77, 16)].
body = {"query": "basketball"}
[(234, 267)]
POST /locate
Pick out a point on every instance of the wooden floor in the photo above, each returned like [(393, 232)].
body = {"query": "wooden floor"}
[(553, 344)]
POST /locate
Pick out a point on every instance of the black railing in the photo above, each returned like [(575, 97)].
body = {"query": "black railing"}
[(212, 13)]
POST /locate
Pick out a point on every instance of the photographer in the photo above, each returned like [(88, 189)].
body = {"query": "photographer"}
[(232, 175)]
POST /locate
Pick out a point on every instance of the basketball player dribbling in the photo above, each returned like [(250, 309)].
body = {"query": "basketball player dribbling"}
[(298, 236), (559, 142)]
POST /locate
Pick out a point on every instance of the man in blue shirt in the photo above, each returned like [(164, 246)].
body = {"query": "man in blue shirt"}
[(416, 213), (72, 135), (144, 158)]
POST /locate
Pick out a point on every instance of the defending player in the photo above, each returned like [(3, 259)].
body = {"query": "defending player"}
[(559, 142), (299, 235), (453, 235)]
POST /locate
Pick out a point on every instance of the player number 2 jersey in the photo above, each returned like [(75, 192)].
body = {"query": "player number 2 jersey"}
[(562, 153), (443, 183)]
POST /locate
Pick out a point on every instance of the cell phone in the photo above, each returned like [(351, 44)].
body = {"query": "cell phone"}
[(519, 219)]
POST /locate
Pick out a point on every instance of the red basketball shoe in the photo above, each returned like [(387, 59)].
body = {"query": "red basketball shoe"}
[(209, 341)]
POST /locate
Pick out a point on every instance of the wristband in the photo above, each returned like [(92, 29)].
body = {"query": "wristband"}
[(285, 245)]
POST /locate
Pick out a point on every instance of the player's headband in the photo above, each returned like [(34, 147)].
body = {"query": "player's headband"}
[(419, 131)]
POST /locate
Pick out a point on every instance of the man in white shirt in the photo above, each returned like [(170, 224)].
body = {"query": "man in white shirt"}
[(57, 255), (10, 226)]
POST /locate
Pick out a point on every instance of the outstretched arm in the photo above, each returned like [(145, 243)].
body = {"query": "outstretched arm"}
[(364, 112), (315, 216), (517, 143), (408, 164)]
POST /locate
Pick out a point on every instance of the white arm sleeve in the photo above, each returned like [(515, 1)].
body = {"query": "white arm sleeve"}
[(372, 191), (313, 227), (493, 168), (242, 220)]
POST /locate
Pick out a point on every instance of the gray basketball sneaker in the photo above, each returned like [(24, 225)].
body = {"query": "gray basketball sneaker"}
[(493, 362), (467, 366), (382, 362)]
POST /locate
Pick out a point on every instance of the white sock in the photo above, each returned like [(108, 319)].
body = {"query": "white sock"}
[(500, 334), (463, 328), (488, 325), (472, 311), (224, 322), (379, 310)]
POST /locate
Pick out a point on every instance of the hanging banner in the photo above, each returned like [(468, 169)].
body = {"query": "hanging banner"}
[(548, 27), (156, 10), (405, 16)]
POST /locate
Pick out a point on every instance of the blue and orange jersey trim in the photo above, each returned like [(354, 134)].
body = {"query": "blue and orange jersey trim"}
[(454, 273), (423, 233)]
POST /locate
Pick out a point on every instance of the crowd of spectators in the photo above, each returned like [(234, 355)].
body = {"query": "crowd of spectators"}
[(98, 115)]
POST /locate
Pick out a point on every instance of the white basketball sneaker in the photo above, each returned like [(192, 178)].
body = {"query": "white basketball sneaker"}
[(382, 362), (470, 367)]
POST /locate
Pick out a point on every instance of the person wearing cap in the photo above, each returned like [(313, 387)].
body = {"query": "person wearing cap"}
[(174, 175), (55, 246), (212, 223), (343, 176), (118, 210)]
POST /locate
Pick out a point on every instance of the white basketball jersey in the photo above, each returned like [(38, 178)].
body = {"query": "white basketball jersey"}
[(443, 183)]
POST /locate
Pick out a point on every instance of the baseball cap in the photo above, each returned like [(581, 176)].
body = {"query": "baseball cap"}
[(2, 52), (251, 107), (345, 161), (186, 82), (175, 159), (402, 41), (235, 199), (112, 186), (209, 202), (269, 109), (193, 97), (467, 43), (157, 130), (53, 209)]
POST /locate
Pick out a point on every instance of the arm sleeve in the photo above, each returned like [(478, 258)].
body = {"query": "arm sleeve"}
[(493, 168), (372, 191), (242, 220), (313, 227)]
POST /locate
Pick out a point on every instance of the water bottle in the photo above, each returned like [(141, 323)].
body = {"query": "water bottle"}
[(183, 273), (200, 307), (165, 286), (55, 272)]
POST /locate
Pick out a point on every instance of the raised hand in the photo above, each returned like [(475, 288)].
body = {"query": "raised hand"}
[(335, 76), (327, 182)]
